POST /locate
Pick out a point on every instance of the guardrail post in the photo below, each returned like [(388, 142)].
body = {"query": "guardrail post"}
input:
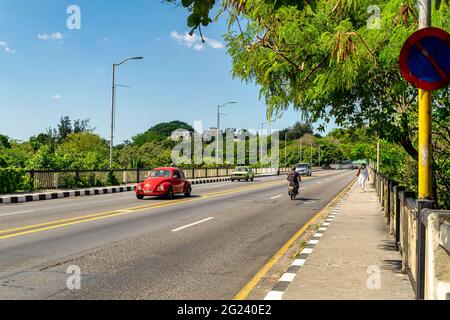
[(420, 247), (397, 190), (137, 176), (32, 179)]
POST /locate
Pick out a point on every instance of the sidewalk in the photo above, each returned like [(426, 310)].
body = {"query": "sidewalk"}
[(348, 255)]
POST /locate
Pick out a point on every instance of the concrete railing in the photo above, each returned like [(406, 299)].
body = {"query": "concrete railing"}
[(422, 236)]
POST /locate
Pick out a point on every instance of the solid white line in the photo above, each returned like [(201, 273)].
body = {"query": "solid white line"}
[(307, 251), (192, 224), (276, 197), (274, 295), (15, 213), (299, 262), (318, 235), (288, 277)]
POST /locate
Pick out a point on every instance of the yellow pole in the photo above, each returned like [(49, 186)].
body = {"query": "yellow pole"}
[(425, 155), (425, 185)]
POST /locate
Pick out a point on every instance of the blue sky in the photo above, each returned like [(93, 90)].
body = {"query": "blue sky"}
[(47, 70)]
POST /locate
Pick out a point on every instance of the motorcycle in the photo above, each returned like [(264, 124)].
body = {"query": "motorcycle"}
[(293, 190)]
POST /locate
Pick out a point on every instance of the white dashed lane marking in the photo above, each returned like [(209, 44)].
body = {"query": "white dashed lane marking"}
[(192, 224), (16, 213)]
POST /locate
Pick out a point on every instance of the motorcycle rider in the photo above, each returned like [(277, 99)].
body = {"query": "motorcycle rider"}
[(294, 179)]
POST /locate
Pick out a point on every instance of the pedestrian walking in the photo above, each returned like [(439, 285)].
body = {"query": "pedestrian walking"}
[(363, 176)]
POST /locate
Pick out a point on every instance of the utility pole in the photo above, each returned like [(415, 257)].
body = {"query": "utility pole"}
[(218, 136), (301, 149), (285, 146), (320, 155), (260, 144), (113, 107)]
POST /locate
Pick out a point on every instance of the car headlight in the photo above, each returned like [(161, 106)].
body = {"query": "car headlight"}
[(161, 187), (139, 187)]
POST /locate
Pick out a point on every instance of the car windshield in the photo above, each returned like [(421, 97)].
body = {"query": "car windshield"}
[(160, 174), (241, 169), (303, 166)]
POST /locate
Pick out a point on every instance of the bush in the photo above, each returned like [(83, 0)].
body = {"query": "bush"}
[(14, 180), (111, 180)]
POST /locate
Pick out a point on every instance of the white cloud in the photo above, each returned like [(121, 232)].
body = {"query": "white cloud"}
[(55, 36), (214, 43), (56, 97), (198, 47), (6, 48), (43, 37), (195, 42)]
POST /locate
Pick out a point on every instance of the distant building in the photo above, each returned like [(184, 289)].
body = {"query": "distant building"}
[(210, 133), (180, 133)]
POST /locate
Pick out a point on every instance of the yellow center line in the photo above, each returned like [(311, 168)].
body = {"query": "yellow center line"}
[(20, 231)]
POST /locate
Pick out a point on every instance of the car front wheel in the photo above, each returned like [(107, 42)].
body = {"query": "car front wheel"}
[(188, 192), (139, 197), (170, 194)]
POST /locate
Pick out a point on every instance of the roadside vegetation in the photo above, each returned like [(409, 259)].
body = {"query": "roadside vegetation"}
[(335, 60), (74, 145)]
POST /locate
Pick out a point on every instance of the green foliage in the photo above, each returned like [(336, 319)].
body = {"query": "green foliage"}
[(13, 180), (160, 132), (325, 61), (111, 180), (4, 142), (297, 131)]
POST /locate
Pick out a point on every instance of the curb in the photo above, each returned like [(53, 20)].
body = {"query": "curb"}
[(63, 194), (209, 180), (86, 192), (288, 277)]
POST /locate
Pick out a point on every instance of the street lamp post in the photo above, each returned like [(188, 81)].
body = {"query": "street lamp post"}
[(260, 143), (285, 146), (113, 106), (218, 129)]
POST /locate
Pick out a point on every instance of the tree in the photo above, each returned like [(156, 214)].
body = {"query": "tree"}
[(65, 127), (200, 9), (328, 62), (83, 150), (297, 131), (160, 132), (4, 142)]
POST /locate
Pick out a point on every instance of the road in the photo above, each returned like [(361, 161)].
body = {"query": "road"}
[(205, 247)]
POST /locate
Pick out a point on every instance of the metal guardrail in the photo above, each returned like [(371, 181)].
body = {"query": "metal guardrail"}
[(61, 179)]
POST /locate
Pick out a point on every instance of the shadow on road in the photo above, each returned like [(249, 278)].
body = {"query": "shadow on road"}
[(175, 198)]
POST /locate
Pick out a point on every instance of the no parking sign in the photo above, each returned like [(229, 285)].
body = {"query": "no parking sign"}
[(425, 59)]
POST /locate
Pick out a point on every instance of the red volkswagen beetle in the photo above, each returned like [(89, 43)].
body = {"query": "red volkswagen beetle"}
[(165, 182)]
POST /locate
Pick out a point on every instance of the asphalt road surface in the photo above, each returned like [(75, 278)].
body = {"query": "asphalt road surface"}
[(204, 247)]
